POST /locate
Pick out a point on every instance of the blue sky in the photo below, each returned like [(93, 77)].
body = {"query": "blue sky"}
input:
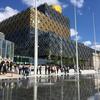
[(85, 8)]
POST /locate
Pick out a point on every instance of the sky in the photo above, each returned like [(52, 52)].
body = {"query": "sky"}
[(85, 10)]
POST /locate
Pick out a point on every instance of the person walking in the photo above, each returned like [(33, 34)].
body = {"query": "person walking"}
[(4, 68)]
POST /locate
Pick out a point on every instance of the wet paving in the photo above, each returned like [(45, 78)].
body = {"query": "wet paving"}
[(51, 88)]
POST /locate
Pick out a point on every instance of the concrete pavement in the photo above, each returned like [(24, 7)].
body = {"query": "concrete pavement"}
[(10, 76)]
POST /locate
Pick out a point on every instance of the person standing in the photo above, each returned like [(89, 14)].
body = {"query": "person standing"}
[(46, 69), (20, 69), (40, 69), (4, 68), (10, 65), (0, 68)]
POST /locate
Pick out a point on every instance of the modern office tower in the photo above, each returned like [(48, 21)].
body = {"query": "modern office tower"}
[(53, 33)]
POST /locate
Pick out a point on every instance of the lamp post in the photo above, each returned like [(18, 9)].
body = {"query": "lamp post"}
[(94, 33), (75, 17), (36, 42), (95, 53), (77, 62), (61, 53)]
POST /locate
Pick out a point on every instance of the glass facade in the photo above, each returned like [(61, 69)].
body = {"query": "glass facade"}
[(6, 49), (22, 60)]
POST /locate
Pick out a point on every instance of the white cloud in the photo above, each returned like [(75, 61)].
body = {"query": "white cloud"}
[(64, 5), (73, 32), (7, 12), (80, 12), (87, 43), (78, 38), (39, 2), (97, 47), (77, 3)]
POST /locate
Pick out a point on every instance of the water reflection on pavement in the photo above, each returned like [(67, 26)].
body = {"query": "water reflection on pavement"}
[(51, 88)]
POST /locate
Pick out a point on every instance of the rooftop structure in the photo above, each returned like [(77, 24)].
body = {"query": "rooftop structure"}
[(58, 8)]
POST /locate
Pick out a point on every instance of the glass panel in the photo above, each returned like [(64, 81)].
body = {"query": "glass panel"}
[(0, 47), (3, 48), (12, 51), (8, 49), (0, 43)]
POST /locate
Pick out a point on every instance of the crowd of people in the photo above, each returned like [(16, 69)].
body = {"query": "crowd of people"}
[(10, 67), (48, 69), (5, 66), (27, 69), (42, 69)]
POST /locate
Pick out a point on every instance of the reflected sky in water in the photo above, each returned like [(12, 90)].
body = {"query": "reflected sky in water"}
[(51, 88)]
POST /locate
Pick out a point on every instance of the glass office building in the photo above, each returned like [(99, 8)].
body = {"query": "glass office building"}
[(6, 48)]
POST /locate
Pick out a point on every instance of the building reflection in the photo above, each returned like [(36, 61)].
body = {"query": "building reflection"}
[(47, 88)]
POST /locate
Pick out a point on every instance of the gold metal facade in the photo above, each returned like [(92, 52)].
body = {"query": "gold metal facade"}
[(48, 25), (25, 19)]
